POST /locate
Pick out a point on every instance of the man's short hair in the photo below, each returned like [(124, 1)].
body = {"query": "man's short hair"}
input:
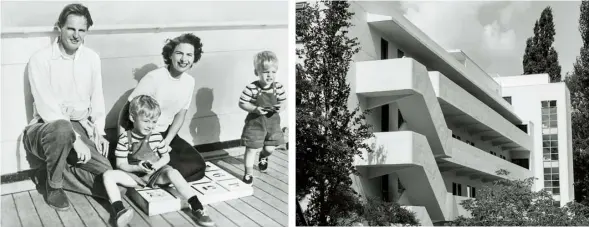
[(75, 9), (144, 105)]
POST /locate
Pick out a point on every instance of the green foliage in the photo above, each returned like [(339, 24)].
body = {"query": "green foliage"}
[(381, 213), (328, 134), (578, 84), (540, 56), (513, 203)]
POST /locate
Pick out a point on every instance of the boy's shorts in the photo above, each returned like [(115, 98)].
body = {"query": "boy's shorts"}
[(262, 131), (149, 180)]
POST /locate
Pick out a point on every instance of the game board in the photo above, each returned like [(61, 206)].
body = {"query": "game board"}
[(217, 186)]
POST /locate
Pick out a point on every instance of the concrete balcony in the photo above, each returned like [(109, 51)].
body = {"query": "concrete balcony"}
[(406, 82), (471, 161), (466, 111), (409, 155)]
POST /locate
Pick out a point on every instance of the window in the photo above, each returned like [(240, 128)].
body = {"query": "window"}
[(384, 49), (550, 146), (384, 123), (385, 188), (508, 99), (400, 120), (400, 53), (456, 189), (470, 191)]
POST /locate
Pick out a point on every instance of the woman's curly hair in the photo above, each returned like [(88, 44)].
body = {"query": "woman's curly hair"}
[(184, 38)]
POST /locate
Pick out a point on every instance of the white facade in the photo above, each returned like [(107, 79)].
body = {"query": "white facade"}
[(442, 128), (548, 104)]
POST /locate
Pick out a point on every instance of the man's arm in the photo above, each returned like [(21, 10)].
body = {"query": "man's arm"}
[(39, 78), (97, 99)]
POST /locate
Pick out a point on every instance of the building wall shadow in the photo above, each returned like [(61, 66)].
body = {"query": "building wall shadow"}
[(204, 125)]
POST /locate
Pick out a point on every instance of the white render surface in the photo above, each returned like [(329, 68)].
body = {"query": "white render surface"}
[(432, 95)]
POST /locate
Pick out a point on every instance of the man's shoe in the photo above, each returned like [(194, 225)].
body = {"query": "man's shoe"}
[(263, 164), (202, 218), (57, 199), (124, 217)]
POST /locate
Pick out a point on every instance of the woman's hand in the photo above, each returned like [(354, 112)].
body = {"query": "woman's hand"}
[(164, 144)]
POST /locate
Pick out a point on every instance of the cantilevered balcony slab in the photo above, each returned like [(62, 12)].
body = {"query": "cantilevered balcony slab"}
[(425, 50), (406, 82), (464, 110), (408, 155), (478, 164)]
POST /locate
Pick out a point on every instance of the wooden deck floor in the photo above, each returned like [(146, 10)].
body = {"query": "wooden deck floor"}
[(267, 207)]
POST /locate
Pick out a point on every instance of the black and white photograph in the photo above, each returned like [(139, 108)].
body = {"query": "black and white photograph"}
[(457, 113), (102, 100)]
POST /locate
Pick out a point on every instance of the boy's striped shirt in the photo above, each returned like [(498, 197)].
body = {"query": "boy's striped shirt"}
[(122, 150), (252, 90)]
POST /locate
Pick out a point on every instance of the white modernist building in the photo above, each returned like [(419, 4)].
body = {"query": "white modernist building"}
[(443, 126)]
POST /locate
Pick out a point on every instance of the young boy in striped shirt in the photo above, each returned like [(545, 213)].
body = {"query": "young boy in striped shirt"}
[(262, 99), (141, 163)]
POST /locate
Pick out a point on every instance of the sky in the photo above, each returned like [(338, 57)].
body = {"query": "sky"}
[(494, 33)]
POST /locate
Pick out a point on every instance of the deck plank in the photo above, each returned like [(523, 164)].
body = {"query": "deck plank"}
[(9, 213), (252, 213), (267, 207), (156, 220), (284, 152), (47, 214), (70, 217), (271, 200), (102, 207), (259, 184), (236, 216), (263, 176), (220, 219), (274, 170), (186, 213), (278, 161), (280, 155), (89, 216), (176, 219), (26, 209), (276, 167), (272, 212), (137, 220)]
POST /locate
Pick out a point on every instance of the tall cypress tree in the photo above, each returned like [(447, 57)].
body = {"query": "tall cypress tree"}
[(578, 84), (540, 56)]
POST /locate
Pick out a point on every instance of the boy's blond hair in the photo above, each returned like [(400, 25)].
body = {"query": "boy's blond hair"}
[(264, 57), (144, 105)]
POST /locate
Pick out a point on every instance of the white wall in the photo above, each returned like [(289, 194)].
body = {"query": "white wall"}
[(18, 13), (232, 34), (526, 101)]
